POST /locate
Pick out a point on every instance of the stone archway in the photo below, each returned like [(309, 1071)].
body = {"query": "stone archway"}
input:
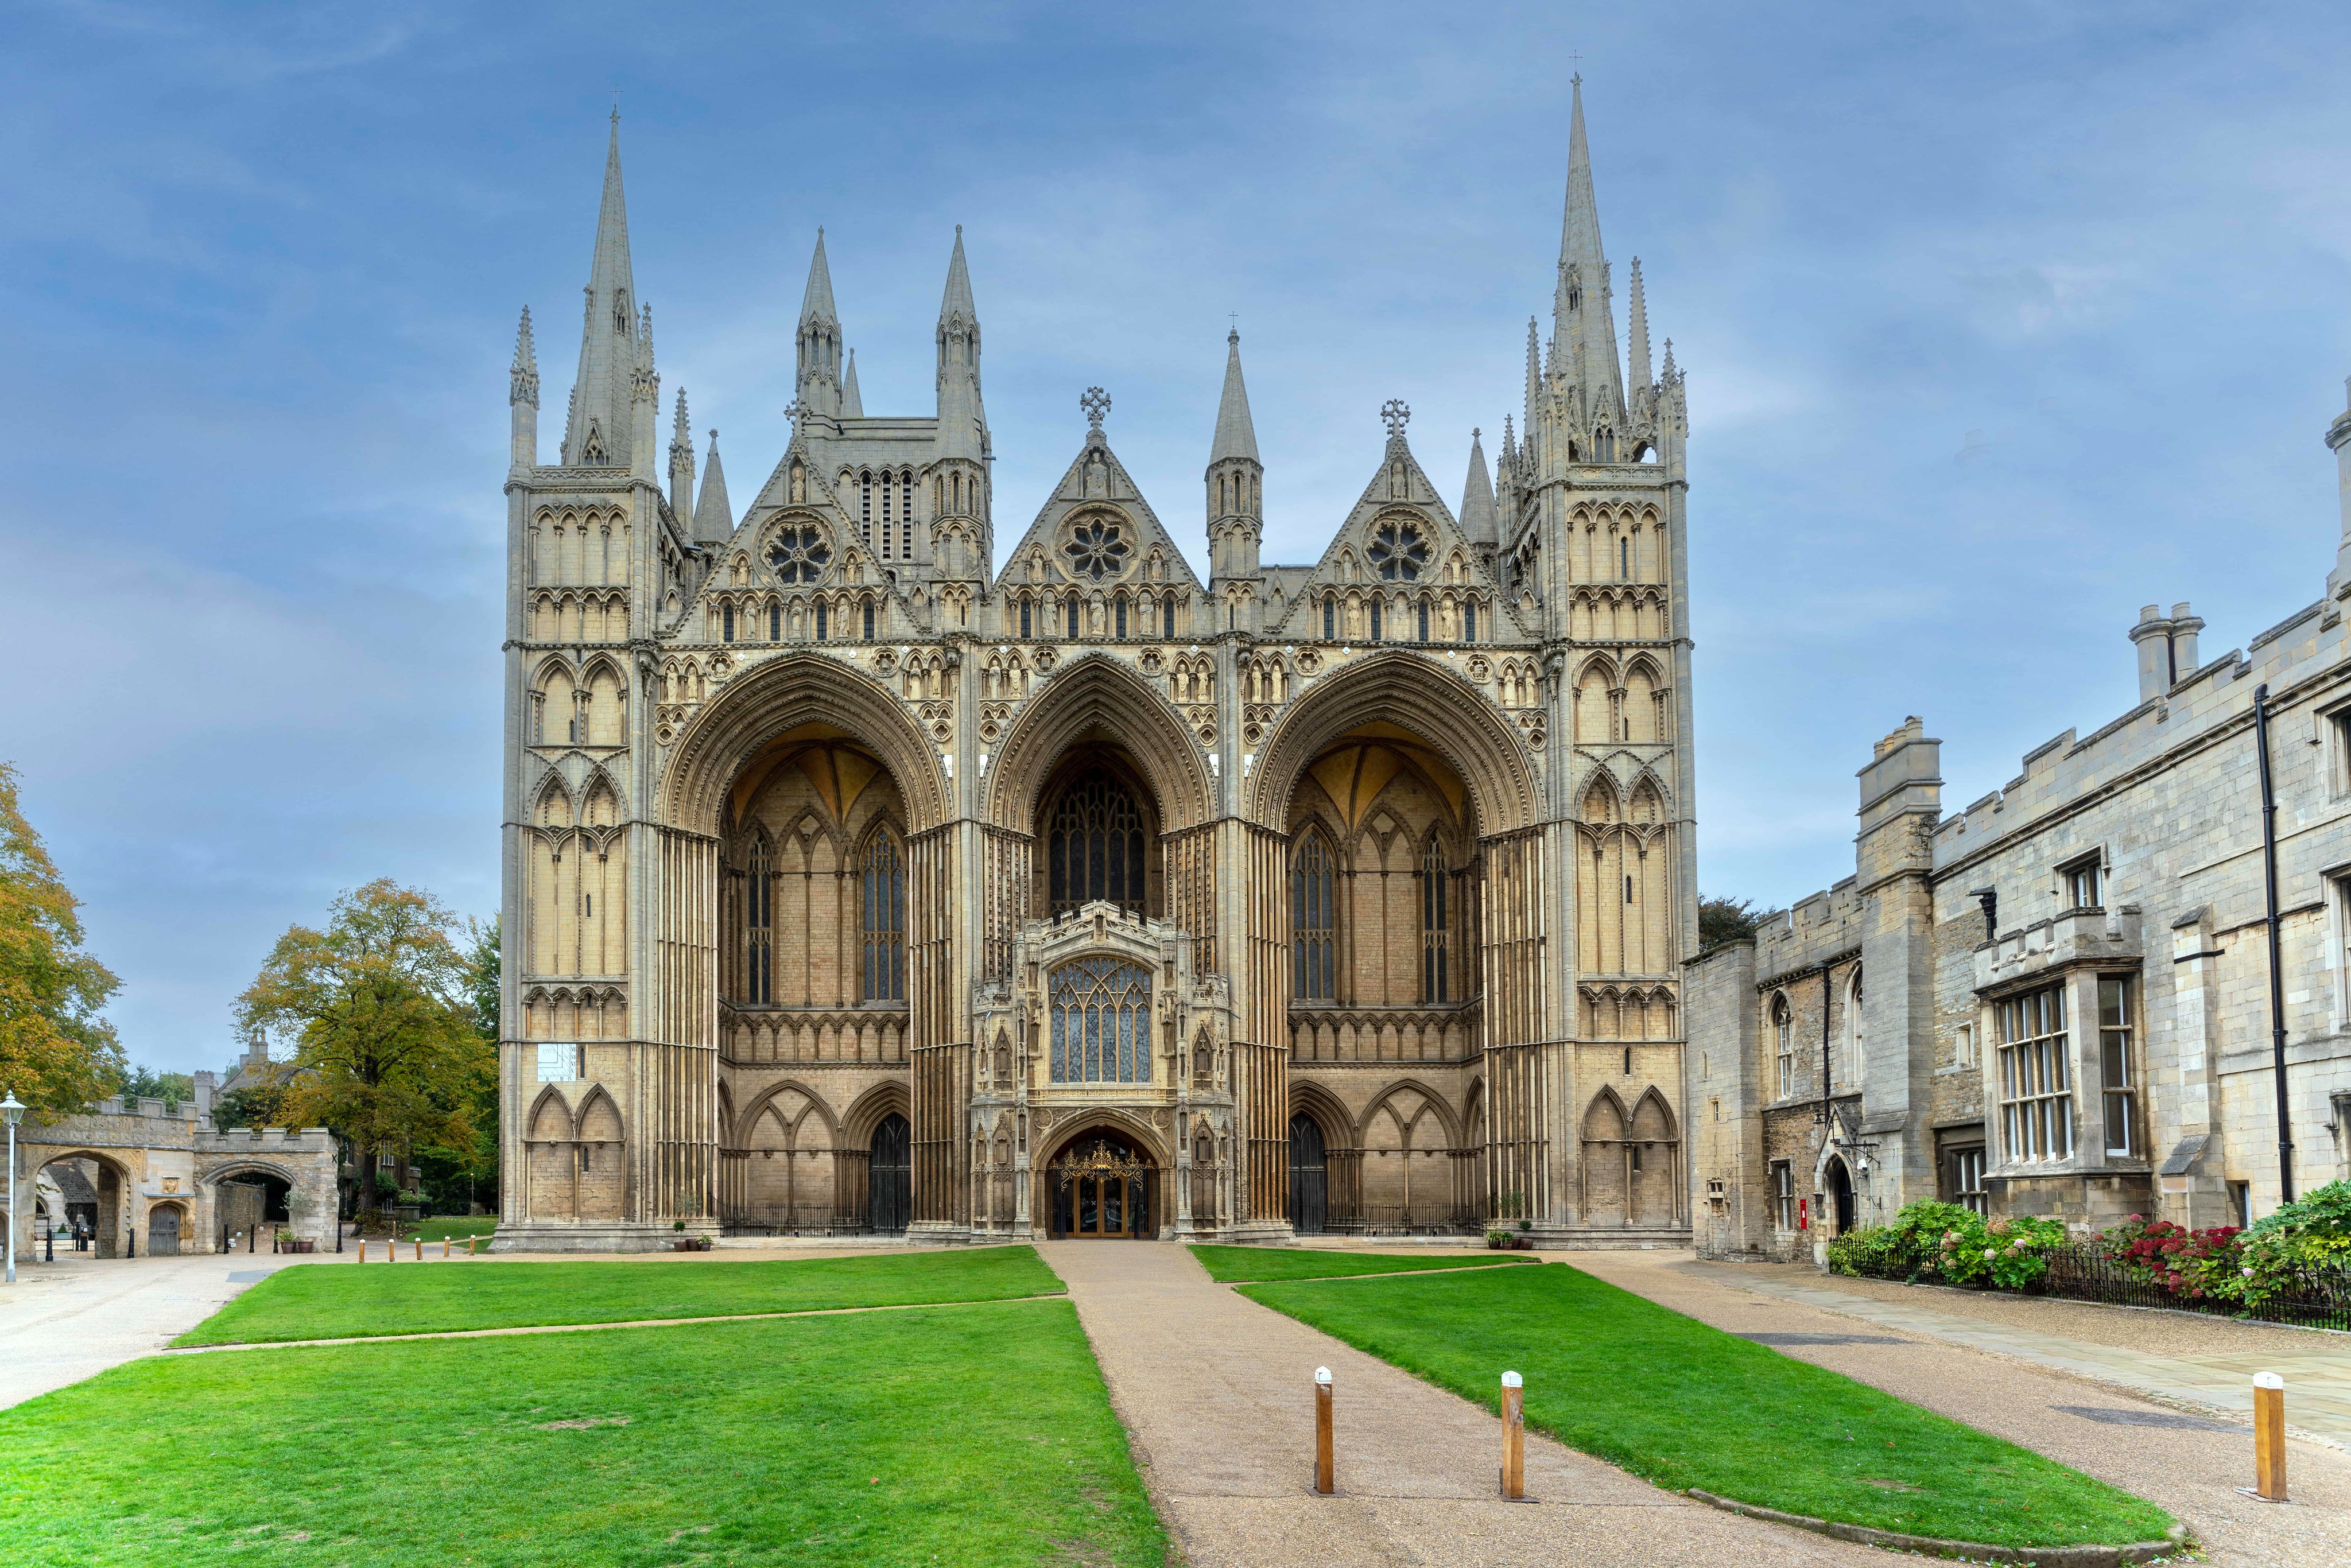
[(1105, 1183), (106, 1221)]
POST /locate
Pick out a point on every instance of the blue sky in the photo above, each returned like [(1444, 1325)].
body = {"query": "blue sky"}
[(1998, 322)]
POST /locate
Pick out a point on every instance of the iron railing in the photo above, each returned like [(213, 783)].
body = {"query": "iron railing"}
[(2085, 1271)]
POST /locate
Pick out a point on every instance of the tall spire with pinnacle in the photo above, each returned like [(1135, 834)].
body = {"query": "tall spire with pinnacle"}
[(644, 404), (1584, 325), (963, 420), (522, 395), (820, 340), (681, 465), (713, 520), (1636, 334), (601, 426), (852, 401), (1480, 519), (1236, 478)]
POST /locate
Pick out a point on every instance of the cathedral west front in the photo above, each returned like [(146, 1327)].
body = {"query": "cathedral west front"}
[(869, 870)]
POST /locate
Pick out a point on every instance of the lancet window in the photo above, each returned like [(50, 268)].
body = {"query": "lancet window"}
[(1094, 846), (1313, 920), (883, 975), (1433, 924), (1101, 1023), (759, 924)]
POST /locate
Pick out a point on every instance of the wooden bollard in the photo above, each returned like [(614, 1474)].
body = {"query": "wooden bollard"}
[(1514, 1437), (1325, 1482), (2269, 1437), (469, 1245), (420, 1250), (363, 1252), (445, 1246)]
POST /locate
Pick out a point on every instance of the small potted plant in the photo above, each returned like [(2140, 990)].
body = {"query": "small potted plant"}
[(1498, 1239), (1523, 1241)]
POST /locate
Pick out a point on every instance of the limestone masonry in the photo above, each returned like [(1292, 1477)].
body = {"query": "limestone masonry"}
[(853, 883)]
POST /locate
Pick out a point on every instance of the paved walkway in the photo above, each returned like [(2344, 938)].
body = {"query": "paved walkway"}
[(72, 1319), (1218, 1393), (2059, 1396)]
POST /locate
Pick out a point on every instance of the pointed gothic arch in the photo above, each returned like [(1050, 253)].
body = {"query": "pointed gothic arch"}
[(1096, 697)]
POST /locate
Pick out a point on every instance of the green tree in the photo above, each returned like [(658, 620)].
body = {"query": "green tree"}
[(457, 1175), (57, 1053), (147, 1083), (1722, 920), (372, 1020)]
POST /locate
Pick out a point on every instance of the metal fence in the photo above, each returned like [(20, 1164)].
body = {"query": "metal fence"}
[(794, 1219), (1396, 1220), (2314, 1298)]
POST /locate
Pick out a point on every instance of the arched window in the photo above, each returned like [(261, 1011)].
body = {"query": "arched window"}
[(865, 505), (1853, 1029), (775, 623), (1024, 615), (1468, 620), (887, 533), (883, 976), (821, 619), (1377, 605), (1167, 617), (1313, 920), (868, 621), (1423, 620), (1118, 612), (1783, 1029), (906, 514), (758, 923), (1101, 1023), (1069, 608), (726, 623), (1330, 618), (1094, 848), (1433, 927)]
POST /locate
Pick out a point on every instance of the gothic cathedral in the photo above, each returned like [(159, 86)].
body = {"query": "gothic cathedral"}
[(864, 875)]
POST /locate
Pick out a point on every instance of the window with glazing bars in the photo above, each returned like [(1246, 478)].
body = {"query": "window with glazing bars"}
[(887, 516), (1069, 608), (1101, 1023), (1330, 618), (1024, 616), (1468, 620), (906, 514), (759, 927), (1423, 620), (1167, 617), (1313, 920), (1432, 922), (2118, 1057), (2085, 884), (885, 969), (1783, 1029), (865, 507), (2036, 1092), (1094, 846), (1783, 1195), (1118, 612)]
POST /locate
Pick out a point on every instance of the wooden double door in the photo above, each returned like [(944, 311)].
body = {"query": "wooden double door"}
[(1102, 1187)]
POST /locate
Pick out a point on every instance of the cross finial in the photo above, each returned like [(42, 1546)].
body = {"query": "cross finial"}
[(1397, 417), (1096, 402)]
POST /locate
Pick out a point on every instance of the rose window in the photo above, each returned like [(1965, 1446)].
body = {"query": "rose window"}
[(1096, 550), (798, 553), (1398, 552)]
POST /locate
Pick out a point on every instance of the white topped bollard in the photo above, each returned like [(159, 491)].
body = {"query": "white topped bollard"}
[(2269, 1437), (1325, 1482), (1514, 1437)]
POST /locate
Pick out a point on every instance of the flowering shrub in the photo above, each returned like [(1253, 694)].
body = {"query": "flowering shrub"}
[(1944, 1241), (2194, 1263), (2313, 1232)]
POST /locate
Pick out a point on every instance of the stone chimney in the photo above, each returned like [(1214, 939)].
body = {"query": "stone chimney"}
[(2152, 636), (2184, 627)]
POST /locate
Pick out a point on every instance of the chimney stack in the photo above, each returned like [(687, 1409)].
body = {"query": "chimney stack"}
[(2153, 637), (2184, 628)]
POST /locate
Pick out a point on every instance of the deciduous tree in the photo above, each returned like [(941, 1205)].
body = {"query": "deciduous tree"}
[(57, 1053)]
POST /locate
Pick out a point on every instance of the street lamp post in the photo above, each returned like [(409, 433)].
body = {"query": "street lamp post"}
[(15, 1111)]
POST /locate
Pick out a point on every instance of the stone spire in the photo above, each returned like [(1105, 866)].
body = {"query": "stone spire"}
[(818, 387), (713, 520), (1236, 479), (601, 426), (681, 465), (852, 401), (1480, 519), (1583, 326), (522, 396), (1534, 378), (1235, 433), (644, 405), (962, 422), (1636, 334)]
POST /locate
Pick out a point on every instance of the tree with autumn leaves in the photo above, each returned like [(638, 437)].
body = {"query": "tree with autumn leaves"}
[(57, 1055), (373, 1023)]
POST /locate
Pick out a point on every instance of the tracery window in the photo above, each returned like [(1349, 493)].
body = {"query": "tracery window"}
[(1094, 848), (1101, 1023), (1097, 549), (1167, 617), (1313, 920), (1398, 550), (1330, 618), (1784, 1028), (1432, 922), (758, 921), (799, 552), (884, 974)]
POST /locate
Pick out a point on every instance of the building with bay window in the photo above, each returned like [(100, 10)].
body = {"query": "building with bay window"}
[(2068, 1010)]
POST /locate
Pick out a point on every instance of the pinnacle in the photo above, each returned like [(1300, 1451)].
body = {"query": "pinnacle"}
[(956, 300), (1235, 434), (816, 303)]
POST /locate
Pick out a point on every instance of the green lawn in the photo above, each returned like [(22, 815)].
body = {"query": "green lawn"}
[(1227, 1264), (976, 1435), (457, 1226), (1684, 1405), (342, 1301)]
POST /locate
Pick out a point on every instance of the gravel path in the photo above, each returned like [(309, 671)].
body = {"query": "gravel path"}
[(2190, 1465), (1217, 1394)]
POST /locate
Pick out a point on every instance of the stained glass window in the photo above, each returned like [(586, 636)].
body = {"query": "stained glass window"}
[(1094, 846), (1313, 920), (1101, 1023), (884, 975)]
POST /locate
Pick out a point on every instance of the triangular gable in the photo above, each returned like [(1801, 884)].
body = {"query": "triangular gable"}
[(1095, 478), (1398, 491)]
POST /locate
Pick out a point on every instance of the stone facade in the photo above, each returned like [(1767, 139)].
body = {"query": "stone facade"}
[(2067, 999), (155, 1178), (855, 881)]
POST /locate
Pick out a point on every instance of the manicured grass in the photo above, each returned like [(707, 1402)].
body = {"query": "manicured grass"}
[(1227, 1264), (976, 1435), (342, 1301), (1684, 1405), (449, 1225)]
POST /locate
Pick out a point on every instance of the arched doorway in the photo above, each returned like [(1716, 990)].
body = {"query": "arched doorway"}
[(1309, 1176), (891, 1191), (1840, 1195), (1102, 1186), (243, 1203)]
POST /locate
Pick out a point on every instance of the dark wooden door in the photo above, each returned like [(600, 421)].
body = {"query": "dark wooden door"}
[(1308, 1176), (890, 1176)]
